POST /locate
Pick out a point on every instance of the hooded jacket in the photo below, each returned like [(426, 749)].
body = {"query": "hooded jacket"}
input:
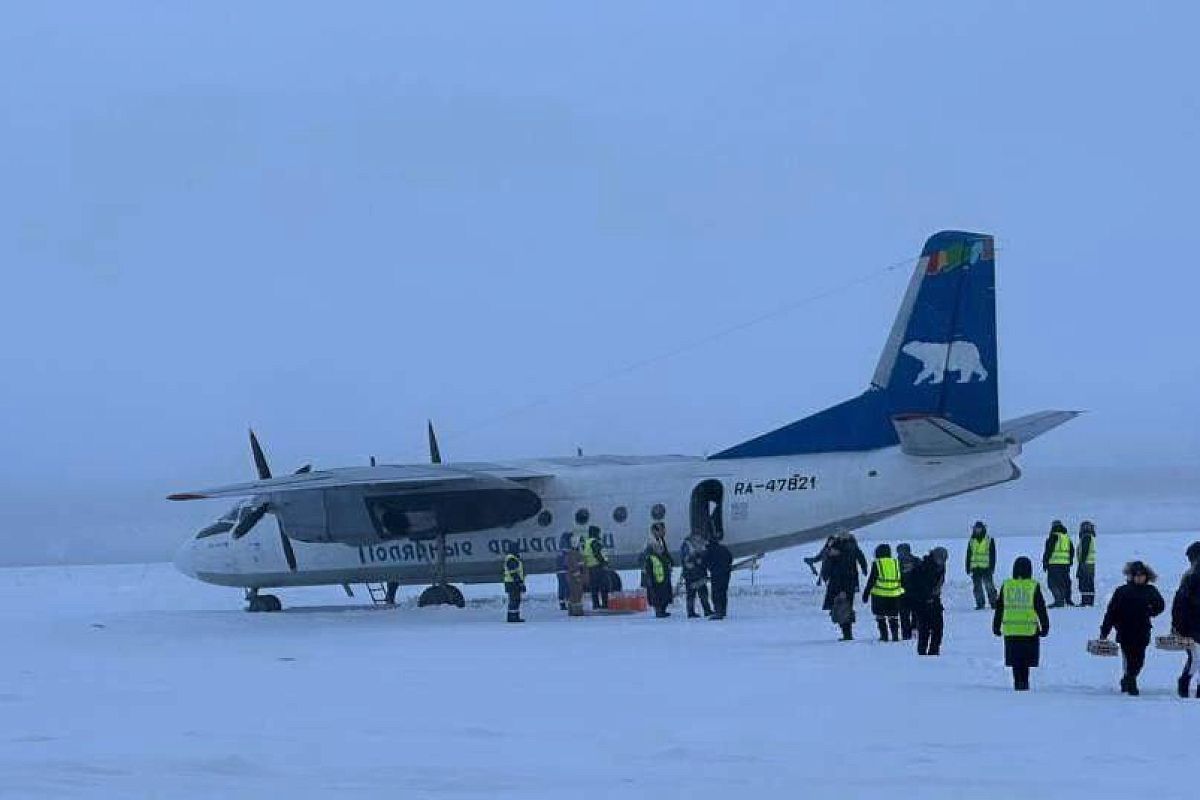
[(1023, 568)]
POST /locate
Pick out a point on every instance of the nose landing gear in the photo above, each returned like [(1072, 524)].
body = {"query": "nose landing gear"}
[(441, 593), (261, 603)]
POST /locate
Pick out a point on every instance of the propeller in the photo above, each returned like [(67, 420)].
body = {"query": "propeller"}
[(435, 453), (254, 515)]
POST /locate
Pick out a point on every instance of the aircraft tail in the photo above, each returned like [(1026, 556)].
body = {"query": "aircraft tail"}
[(939, 361)]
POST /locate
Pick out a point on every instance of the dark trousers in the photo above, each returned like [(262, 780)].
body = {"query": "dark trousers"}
[(720, 594), (1058, 576), (908, 618), (931, 623), (598, 583), (1021, 678), (984, 587), (1134, 654), (697, 589), (1087, 584), (513, 591)]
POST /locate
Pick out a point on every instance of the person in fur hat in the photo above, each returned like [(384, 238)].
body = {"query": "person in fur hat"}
[(1131, 611)]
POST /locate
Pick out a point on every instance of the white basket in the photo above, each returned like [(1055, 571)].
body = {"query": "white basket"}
[(1171, 642), (1103, 647)]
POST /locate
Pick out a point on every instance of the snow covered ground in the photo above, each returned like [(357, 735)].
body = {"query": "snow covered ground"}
[(133, 681)]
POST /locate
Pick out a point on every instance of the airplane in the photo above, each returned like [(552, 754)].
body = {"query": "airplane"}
[(926, 428)]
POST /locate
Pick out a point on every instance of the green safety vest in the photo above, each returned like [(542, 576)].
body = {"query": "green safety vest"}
[(1061, 554), (1091, 556), (1020, 618), (981, 552), (514, 569), (659, 568), (590, 545), (887, 578)]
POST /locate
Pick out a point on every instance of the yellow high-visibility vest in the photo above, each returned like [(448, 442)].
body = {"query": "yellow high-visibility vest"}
[(659, 568), (981, 552), (887, 578), (1091, 556), (1060, 556), (514, 569), (1020, 617), (590, 546)]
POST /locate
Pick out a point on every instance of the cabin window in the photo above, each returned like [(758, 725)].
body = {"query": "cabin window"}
[(620, 514), (658, 512), (545, 518), (582, 516)]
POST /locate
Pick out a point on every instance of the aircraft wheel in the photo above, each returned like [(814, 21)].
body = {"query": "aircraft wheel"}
[(456, 596), (272, 603), (256, 604), (444, 595)]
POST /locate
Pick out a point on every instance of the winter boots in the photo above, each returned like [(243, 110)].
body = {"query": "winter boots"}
[(1185, 684), (847, 632), (1021, 679), (888, 626), (1129, 686), (514, 616)]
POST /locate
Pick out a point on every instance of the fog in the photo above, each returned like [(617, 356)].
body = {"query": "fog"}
[(547, 226)]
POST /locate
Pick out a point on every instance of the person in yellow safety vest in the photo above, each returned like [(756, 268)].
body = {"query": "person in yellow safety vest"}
[(1086, 571), (1056, 563), (981, 565), (656, 570), (591, 547), (884, 590), (514, 580), (1022, 620)]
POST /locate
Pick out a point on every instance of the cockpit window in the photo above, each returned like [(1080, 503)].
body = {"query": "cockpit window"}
[(224, 524)]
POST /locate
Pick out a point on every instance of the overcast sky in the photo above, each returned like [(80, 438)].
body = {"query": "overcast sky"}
[(333, 223)]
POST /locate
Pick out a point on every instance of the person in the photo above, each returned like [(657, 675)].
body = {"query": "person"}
[(695, 574), (981, 565), (1185, 619), (884, 591), (924, 594), (1085, 572), (657, 575), (719, 561), (1130, 611), (840, 564), (561, 571), (908, 564), (592, 550), (819, 558), (1057, 558), (1021, 618), (576, 578), (514, 580)]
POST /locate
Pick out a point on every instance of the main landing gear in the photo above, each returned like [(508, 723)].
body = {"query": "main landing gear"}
[(441, 593), (260, 603)]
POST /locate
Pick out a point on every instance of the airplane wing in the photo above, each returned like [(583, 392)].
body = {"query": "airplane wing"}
[(440, 477)]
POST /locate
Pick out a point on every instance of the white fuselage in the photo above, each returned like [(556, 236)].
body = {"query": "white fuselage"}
[(767, 504)]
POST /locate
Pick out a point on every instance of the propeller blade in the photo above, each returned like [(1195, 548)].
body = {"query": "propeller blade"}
[(250, 519), (260, 460), (372, 461), (288, 552), (307, 468), (435, 453)]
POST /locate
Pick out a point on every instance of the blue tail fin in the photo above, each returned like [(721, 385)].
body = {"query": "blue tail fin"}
[(939, 360)]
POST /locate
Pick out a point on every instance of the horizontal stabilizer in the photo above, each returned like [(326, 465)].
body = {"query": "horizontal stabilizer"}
[(1031, 426), (923, 435)]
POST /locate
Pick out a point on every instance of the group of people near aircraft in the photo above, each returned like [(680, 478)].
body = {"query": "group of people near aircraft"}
[(904, 593)]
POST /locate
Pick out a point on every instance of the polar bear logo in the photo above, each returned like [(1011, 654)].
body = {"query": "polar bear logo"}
[(938, 358)]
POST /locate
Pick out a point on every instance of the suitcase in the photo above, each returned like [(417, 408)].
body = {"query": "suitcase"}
[(1103, 647), (1171, 642)]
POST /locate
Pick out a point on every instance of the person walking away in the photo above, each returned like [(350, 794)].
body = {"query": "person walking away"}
[(1185, 619), (514, 580), (908, 564), (840, 576), (592, 550), (657, 569), (1057, 558), (884, 592), (720, 566), (819, 558), (695, 574), (1021, 618), (576, 578), (924, 593), (981, 565), (1131, 611), (1085, 572)]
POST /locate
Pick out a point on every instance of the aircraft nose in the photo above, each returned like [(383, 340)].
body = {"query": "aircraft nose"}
[(185, 559)]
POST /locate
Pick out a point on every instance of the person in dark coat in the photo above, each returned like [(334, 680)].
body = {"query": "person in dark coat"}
[(1085, 571), (908, 614), (1021, 618), (924, 594), (1057, 558), (1130, 611), (839, 572), (819, 558), (656, 571), (561, 570), (695, 574), (1185, 619), (719, 561), (884, 590)]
